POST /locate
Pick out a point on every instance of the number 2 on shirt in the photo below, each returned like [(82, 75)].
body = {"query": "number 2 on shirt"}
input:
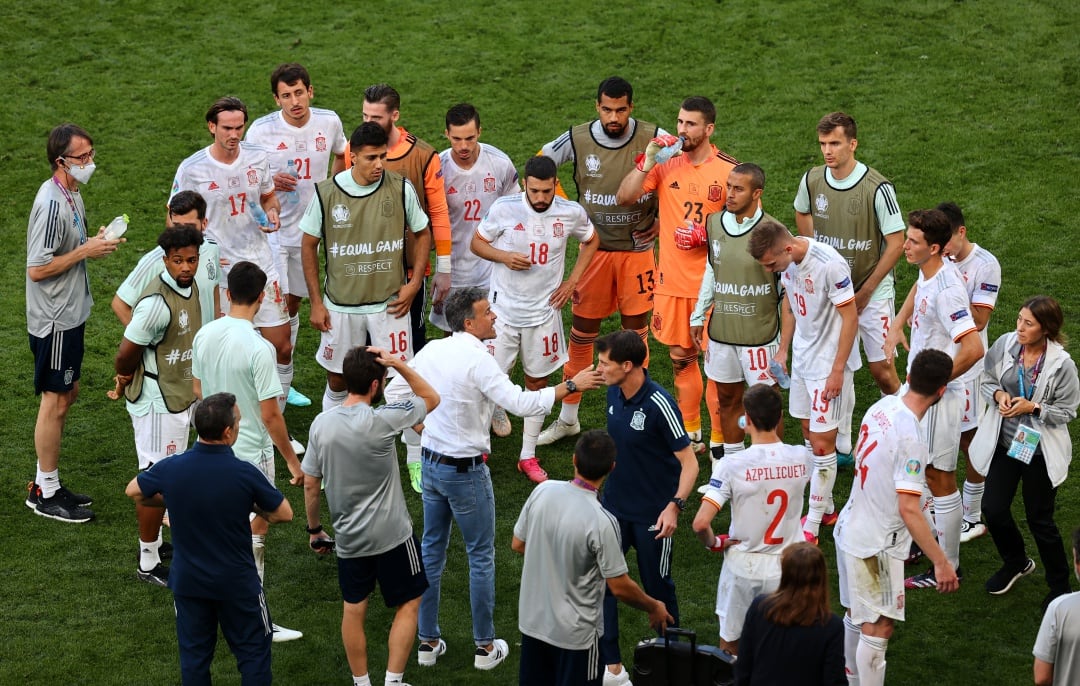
[(781, 495)]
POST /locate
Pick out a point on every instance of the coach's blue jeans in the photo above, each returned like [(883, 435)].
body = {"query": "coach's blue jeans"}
[(468, 499)]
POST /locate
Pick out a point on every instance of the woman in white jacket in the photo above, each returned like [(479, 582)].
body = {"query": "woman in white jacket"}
[(1029, 383)]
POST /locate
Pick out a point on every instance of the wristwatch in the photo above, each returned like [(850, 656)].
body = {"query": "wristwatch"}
[(679, 503), (1036, 412), (571, 387)]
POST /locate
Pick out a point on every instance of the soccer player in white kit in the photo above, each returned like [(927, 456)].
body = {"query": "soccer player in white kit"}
[(232, 176), (525, 235), (982, 277), (308, 137), (939, 314), (475, 175), (765, 484), (883, 514), (819, 323)]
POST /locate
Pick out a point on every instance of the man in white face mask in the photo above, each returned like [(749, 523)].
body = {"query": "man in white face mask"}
[(58, 303)]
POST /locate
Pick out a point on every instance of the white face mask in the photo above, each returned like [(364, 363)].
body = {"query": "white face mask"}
[(81, 174)]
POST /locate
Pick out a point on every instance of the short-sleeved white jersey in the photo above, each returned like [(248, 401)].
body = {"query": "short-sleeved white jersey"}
[(765, 484), (469, 195), (982, 277), (310, 147), (815, 288), (942, 314), (520, 298), (229, 191), (890, 458)]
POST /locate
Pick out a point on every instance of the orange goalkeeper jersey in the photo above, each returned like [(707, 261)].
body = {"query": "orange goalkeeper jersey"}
[(686, 192)]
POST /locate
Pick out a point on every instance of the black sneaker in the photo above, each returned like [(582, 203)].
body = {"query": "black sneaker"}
[(165, 551), (1003, 579), (75, 498), (33, 495), (58, 508), (158, 576)]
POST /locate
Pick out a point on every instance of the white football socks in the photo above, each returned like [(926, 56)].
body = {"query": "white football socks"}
[(258, 549), (569, 413), (411, 439), (821, 487), (332, 399), (530, 432), (870, 657), (973, 495), (852, 632), (949, 515)]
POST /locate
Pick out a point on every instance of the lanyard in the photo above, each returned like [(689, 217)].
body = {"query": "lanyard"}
[(584, 484), (1021, 376), (79, 223)]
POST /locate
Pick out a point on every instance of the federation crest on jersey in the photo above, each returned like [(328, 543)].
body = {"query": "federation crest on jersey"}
[(855, 205), (821, 203), (252, 177), (715, 192), (212, 271), (637, 421), (922, 306), (340, 213), (557, 230), (592, 165), (183, 321), (489, 184), (808, 285), (328, 352), (320, 143), (69, 376), (171, 448)]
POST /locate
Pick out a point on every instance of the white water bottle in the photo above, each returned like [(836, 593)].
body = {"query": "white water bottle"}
[(666, 153), (292, 197), (778, 373), (116, 228)]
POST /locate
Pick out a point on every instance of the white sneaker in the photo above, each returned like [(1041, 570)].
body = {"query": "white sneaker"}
[(620, 679), (281, 634), (428, 655), (558, 430), (500, 423), (969, 531), (297, 446), (490, 660)]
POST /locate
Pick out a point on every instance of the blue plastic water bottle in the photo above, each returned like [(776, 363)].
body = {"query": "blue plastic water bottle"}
[(292, 197), (778, 373), (259, 216), (670, 151)]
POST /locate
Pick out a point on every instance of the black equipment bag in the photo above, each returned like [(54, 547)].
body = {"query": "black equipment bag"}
[(667, 662)]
